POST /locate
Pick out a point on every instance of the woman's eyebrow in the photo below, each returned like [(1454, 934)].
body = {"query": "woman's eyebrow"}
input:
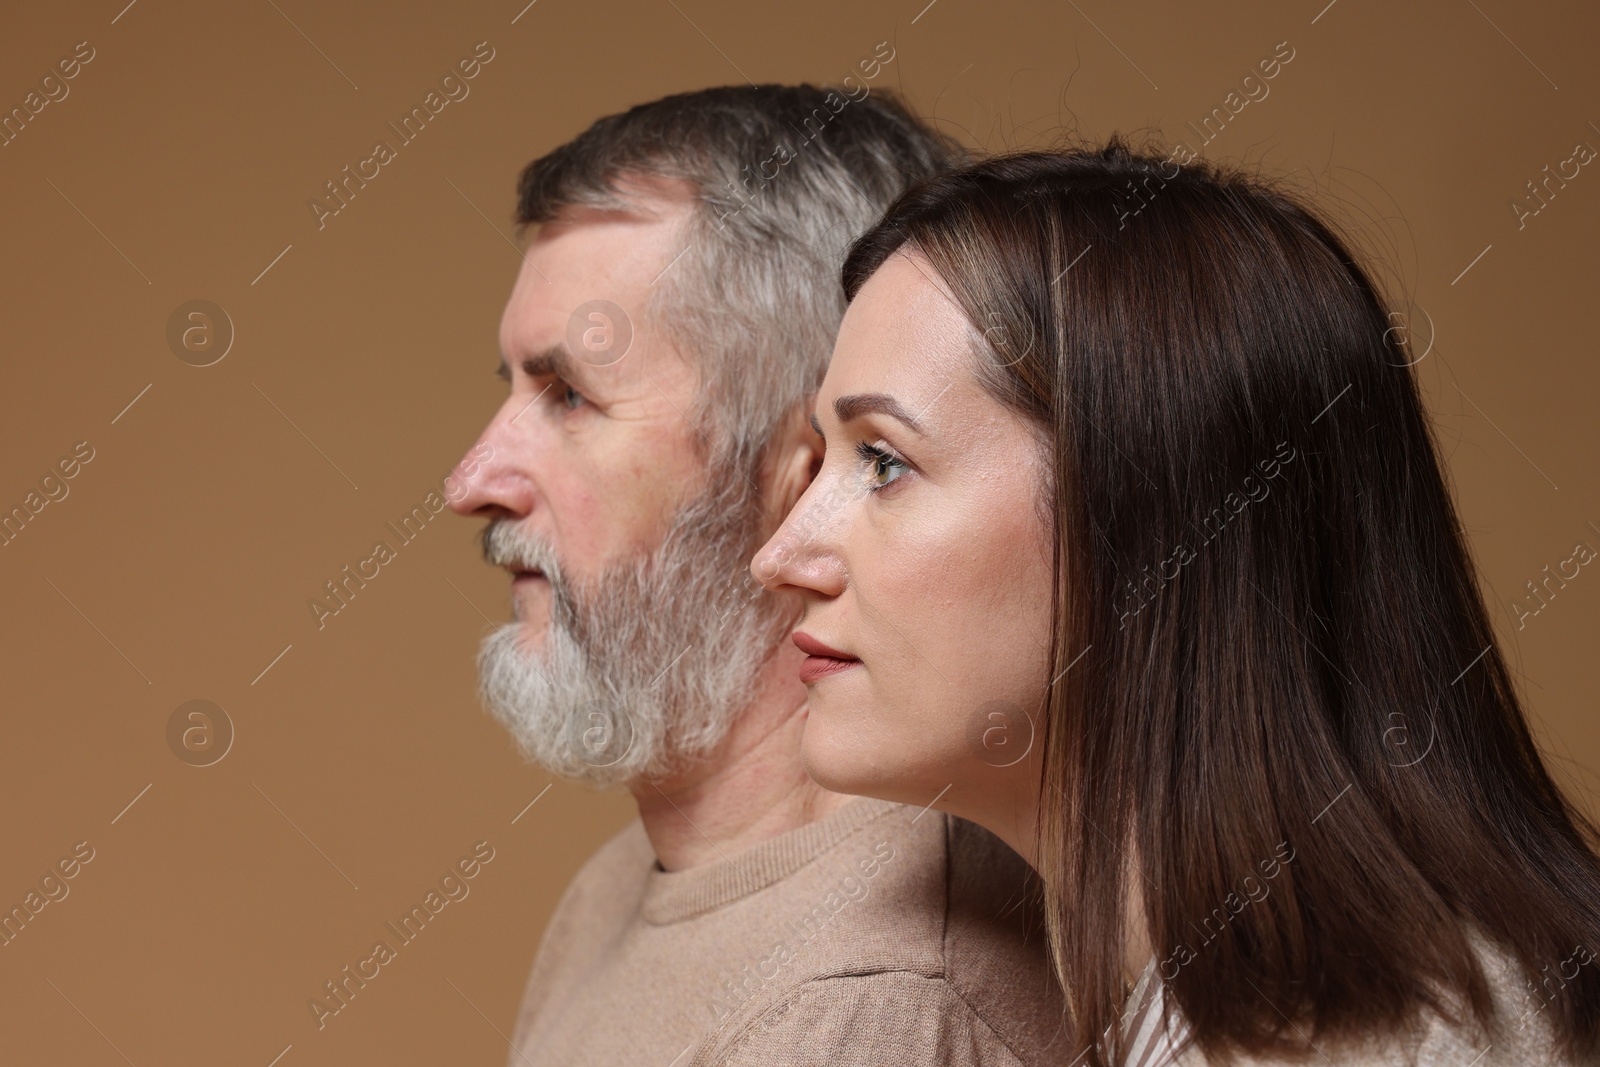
[(849, 407)]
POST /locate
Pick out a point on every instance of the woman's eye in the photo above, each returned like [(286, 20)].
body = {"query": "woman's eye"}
[(882, 467)]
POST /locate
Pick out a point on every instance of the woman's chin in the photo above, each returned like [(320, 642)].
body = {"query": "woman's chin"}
[(837, 764), (846, 765)]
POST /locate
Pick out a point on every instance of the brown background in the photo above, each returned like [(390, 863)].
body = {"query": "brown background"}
[(181, 563)]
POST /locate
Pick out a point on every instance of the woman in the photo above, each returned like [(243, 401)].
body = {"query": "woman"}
[(1131, 543)]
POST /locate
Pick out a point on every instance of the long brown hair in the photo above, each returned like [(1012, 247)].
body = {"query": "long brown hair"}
[(1278, 711)]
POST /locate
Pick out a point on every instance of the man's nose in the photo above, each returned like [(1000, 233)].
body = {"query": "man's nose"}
[(491, 480)]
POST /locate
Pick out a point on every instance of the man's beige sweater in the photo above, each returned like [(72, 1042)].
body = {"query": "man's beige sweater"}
[(878, 935)]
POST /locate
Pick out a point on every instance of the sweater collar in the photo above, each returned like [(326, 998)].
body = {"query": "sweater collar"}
[(673, 896)]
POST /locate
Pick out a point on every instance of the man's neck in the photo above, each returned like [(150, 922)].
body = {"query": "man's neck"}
[(751, 788)]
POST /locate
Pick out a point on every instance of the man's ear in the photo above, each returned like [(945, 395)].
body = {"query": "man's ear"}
[(792, 462)]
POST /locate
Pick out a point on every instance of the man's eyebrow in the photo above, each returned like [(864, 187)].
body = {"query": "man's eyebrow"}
[(856, 404), (550, 362)]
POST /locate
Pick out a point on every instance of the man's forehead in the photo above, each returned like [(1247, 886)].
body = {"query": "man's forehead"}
[(589, 260), (634, 200), (599, 254), (633, 212)]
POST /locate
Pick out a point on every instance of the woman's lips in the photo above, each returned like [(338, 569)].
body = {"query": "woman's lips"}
[(816, 668), (821, 660)]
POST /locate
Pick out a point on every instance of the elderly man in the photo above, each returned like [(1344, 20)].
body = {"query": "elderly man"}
[(675, 309)]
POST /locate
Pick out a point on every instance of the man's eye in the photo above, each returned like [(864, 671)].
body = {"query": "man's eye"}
[(570, 398)]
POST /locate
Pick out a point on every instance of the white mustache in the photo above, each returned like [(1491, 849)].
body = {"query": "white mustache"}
[(505, 545)]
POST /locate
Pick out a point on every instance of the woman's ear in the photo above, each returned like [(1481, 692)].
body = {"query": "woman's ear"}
[(793, 461)]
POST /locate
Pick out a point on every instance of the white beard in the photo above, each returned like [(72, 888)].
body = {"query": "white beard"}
[(647, 665)]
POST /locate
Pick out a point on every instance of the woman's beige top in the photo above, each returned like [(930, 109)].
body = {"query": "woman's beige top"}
[(1519, 1037)]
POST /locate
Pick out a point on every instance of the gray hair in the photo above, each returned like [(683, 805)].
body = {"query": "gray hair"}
[(647, 664), (786, 177)]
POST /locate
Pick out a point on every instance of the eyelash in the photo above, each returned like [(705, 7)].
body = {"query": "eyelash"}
[(565, 397), (875, 455), (562, 395)]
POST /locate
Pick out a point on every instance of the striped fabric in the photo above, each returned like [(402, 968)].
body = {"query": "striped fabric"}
[(1151, 1042)]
